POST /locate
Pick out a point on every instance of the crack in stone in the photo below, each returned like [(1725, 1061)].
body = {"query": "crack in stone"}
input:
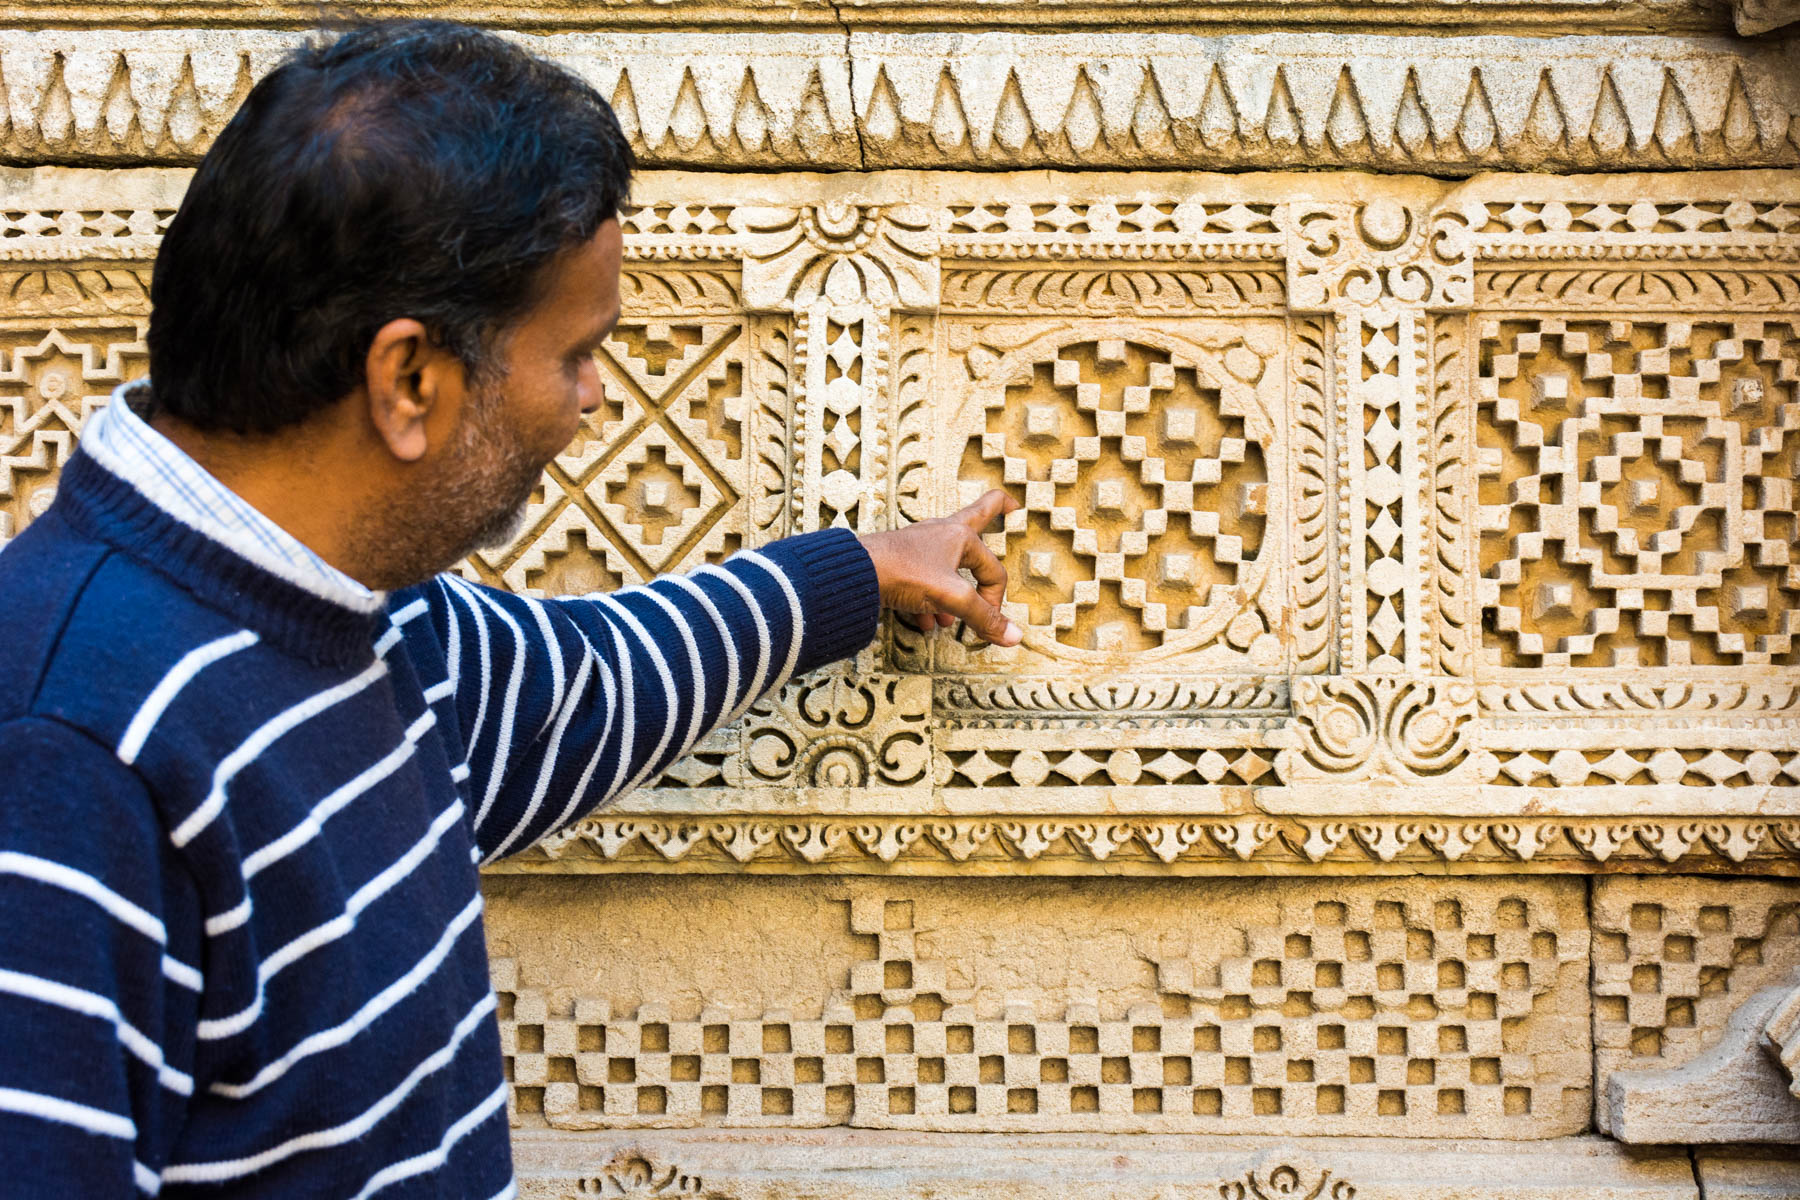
[(862, 152)]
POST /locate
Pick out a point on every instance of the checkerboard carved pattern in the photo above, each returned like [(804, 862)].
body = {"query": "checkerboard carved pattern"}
[(1350, 1010)]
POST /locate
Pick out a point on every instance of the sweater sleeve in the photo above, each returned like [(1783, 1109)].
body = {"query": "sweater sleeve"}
[(565, 704), (99, 978)]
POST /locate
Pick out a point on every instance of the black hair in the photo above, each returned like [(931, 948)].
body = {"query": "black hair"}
[(415, 169)]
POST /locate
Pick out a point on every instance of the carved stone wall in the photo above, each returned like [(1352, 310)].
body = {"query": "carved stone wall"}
[(1405, 742)]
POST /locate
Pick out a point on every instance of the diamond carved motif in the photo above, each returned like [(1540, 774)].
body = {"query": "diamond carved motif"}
[(656, 478), (1638, 492), (1148, 472)]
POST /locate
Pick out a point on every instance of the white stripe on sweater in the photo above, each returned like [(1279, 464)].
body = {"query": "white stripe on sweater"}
[(496, 774), (92, 1004), (797, 620), (628, 696), (696, 672), (503, 743), (764, 643), (178, 677), (506, 1193), (340, 925), (551, 753), (402, 616), (551, 646), (387, 641), (579, 792), (432, 1160), (452, 638), (483, 661), (729, 698), (148, 1181), (380, 1003), (348, 1131), (42, 870), (673, 707), (261, 740), (67, 1112), (230, 919), (179, 972), (313, 823)]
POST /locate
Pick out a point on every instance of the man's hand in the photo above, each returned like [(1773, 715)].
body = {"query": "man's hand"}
[(917, 568)]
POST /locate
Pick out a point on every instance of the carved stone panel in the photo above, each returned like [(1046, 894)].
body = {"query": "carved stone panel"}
[(1149, 457), (1272, 1007), (1674, 958), (1363, 519), (858, 93)]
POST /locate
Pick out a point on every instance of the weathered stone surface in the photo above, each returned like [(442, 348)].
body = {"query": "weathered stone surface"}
[(1398, 1007), (1542, 16), (838, 1164), (1781, 1036), (1731, 1092), (1427, 536), (1772, 1174), (1760, 16), (1673, 961), (828, 98)]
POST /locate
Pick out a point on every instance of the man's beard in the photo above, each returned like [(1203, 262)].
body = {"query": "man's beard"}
[(476, 500)]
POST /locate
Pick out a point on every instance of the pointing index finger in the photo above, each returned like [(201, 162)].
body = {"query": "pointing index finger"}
[(981, 514)]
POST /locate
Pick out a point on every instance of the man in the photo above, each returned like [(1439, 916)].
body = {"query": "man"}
[(257, 746)]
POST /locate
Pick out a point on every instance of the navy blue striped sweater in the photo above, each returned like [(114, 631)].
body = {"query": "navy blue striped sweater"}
[(240, 932)]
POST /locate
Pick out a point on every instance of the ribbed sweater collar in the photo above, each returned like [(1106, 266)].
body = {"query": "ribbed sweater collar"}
[(310, 626)]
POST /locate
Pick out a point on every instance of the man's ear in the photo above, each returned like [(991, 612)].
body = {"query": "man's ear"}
[(409, 380)]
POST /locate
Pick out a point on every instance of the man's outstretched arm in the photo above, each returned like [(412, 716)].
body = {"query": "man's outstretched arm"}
[(565, 704)]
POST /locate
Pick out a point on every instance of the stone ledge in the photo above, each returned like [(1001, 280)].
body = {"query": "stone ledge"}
[(843, 100), (1749, 1174), (1550, 16), (878, 1166), (1733, 1092)]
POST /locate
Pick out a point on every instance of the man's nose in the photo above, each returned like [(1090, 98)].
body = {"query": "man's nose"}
[(592, 392)]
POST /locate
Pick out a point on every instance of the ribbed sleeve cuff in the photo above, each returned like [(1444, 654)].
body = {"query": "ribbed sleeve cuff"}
[(840, 600)]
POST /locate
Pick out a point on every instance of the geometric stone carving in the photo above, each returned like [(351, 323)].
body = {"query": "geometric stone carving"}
[(1733, 1092), (1362, 1007), (1362, 519), (1642, 508), (1391, 547), (1149, 517), (1674, 959), (52, 376)]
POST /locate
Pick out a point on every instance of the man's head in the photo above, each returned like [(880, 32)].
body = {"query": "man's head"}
[(406, 235)]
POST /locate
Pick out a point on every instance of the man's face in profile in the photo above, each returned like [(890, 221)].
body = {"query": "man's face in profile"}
[(518, 413)]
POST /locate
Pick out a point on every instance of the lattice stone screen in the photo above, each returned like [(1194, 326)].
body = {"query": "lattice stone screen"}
[(1405, 742)]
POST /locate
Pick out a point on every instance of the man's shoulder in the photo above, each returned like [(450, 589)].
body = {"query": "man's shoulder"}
[(43, 574), (94, 629)]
